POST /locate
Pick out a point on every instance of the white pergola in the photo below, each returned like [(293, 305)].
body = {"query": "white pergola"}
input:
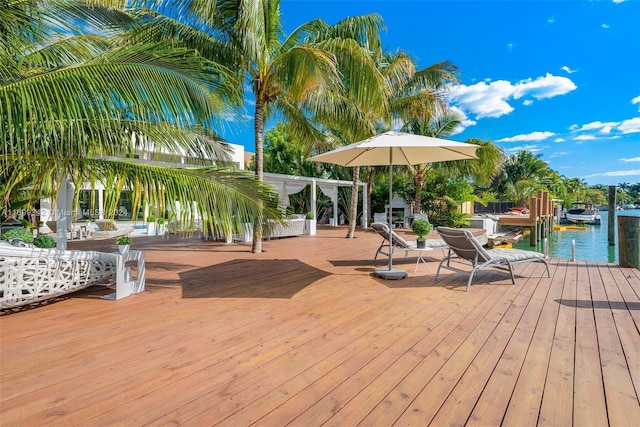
[(291, 184)]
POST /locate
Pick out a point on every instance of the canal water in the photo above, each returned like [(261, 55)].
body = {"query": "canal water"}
[(591, 245)]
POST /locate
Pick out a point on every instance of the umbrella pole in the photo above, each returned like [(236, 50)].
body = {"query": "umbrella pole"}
[(389, 272)]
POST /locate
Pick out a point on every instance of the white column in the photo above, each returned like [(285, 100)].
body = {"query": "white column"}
[(365, 214), (335, 207), (314, 201), (61, 217), (101, 203)]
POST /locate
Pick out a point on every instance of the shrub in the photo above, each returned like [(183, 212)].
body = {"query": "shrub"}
[(19, 233), (151, 218), (310, 215), (160, 221), (421, 227), (123, 240), (26, 224), (45, 242)]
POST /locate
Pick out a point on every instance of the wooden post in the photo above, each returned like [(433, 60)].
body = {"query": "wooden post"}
[(629, 241), (612, 216), (533, 213)]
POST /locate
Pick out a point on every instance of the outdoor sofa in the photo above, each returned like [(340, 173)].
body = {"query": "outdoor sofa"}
[(29, 274)]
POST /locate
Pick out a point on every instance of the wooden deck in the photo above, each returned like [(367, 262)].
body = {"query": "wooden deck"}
[(304, 334)]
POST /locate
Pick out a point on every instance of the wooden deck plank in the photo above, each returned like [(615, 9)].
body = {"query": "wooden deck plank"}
[(622, 402), (442, 339), (466, 335), (343, 391), (629, 338), (524, 406), (433, 397), (557, 401), (589, 407), (460, 402), (305, 334), (492, 403), (307, 388)]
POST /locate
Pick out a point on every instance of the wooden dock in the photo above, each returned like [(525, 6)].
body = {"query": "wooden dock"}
[(539, 219), (304, 334)]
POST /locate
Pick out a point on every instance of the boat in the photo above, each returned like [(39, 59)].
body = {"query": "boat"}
[(582, 213)]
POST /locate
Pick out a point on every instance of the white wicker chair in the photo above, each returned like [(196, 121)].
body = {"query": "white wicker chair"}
[(30, 274)]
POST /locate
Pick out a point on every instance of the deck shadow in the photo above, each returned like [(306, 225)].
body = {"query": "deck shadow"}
[(614, 305), (278, 278)]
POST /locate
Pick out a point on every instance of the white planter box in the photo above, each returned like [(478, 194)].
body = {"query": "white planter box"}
[(310, 227), (151, 229)]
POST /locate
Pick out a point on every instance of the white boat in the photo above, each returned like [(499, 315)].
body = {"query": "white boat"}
[(581, 213)]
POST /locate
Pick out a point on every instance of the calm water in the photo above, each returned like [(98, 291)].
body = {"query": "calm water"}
[(591, 245)]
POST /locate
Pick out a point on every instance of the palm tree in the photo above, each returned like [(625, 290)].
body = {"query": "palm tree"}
[(440, 126), (79, 105), (407, 95), (293, 77)]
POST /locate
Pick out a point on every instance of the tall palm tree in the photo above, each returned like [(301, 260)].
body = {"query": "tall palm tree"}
[(76, 104), (440, 126), (294, 77)]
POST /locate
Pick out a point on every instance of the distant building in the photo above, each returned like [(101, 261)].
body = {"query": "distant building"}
[(124, 209)]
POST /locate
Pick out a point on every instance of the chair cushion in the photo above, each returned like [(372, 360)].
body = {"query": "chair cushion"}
[(515, 255)]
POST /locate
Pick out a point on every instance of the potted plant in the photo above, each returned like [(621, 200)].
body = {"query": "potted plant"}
[(151, 225), (421, 227), (310, 224), (124, 242), (161, 226)]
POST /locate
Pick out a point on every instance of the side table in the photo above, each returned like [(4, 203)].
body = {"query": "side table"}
[(125, 284)]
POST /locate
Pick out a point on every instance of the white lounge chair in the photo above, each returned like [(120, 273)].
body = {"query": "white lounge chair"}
[(462, 243), (30, 274), (401, 244)]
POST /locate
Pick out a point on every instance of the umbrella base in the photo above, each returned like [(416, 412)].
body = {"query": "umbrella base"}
[(393, 274)]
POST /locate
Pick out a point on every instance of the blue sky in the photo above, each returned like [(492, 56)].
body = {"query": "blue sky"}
[(558, 78)]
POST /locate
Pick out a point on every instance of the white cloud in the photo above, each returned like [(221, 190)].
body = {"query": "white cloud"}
[(559, 140), (544, 87), (527, 102), (605, 26), (584, 138), (614, 129), (633, 172), (489, 98), (601, 127), (558, 154), (484, 100), (464, 123), (531, 148), (630, 125), (636, 100), (533, 136), (618, 1), (568, 70), (632, 159)]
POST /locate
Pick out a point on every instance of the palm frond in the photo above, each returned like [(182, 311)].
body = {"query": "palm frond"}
[(220, 196), (136, 83)]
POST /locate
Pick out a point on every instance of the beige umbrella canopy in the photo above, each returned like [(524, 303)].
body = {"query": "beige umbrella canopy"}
[(397, 148)]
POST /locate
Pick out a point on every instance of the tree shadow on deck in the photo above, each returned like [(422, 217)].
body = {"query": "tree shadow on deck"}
[(278, 278)]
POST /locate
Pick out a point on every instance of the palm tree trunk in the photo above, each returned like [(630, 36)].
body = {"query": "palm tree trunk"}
[(258, 118), (353, 212), (418, 181)]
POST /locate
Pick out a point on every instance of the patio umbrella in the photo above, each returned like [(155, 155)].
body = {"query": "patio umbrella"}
[(397, 148)]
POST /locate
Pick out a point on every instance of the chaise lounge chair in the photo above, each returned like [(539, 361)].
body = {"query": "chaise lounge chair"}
[(462, 243), (399, 243), (29, 274)]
